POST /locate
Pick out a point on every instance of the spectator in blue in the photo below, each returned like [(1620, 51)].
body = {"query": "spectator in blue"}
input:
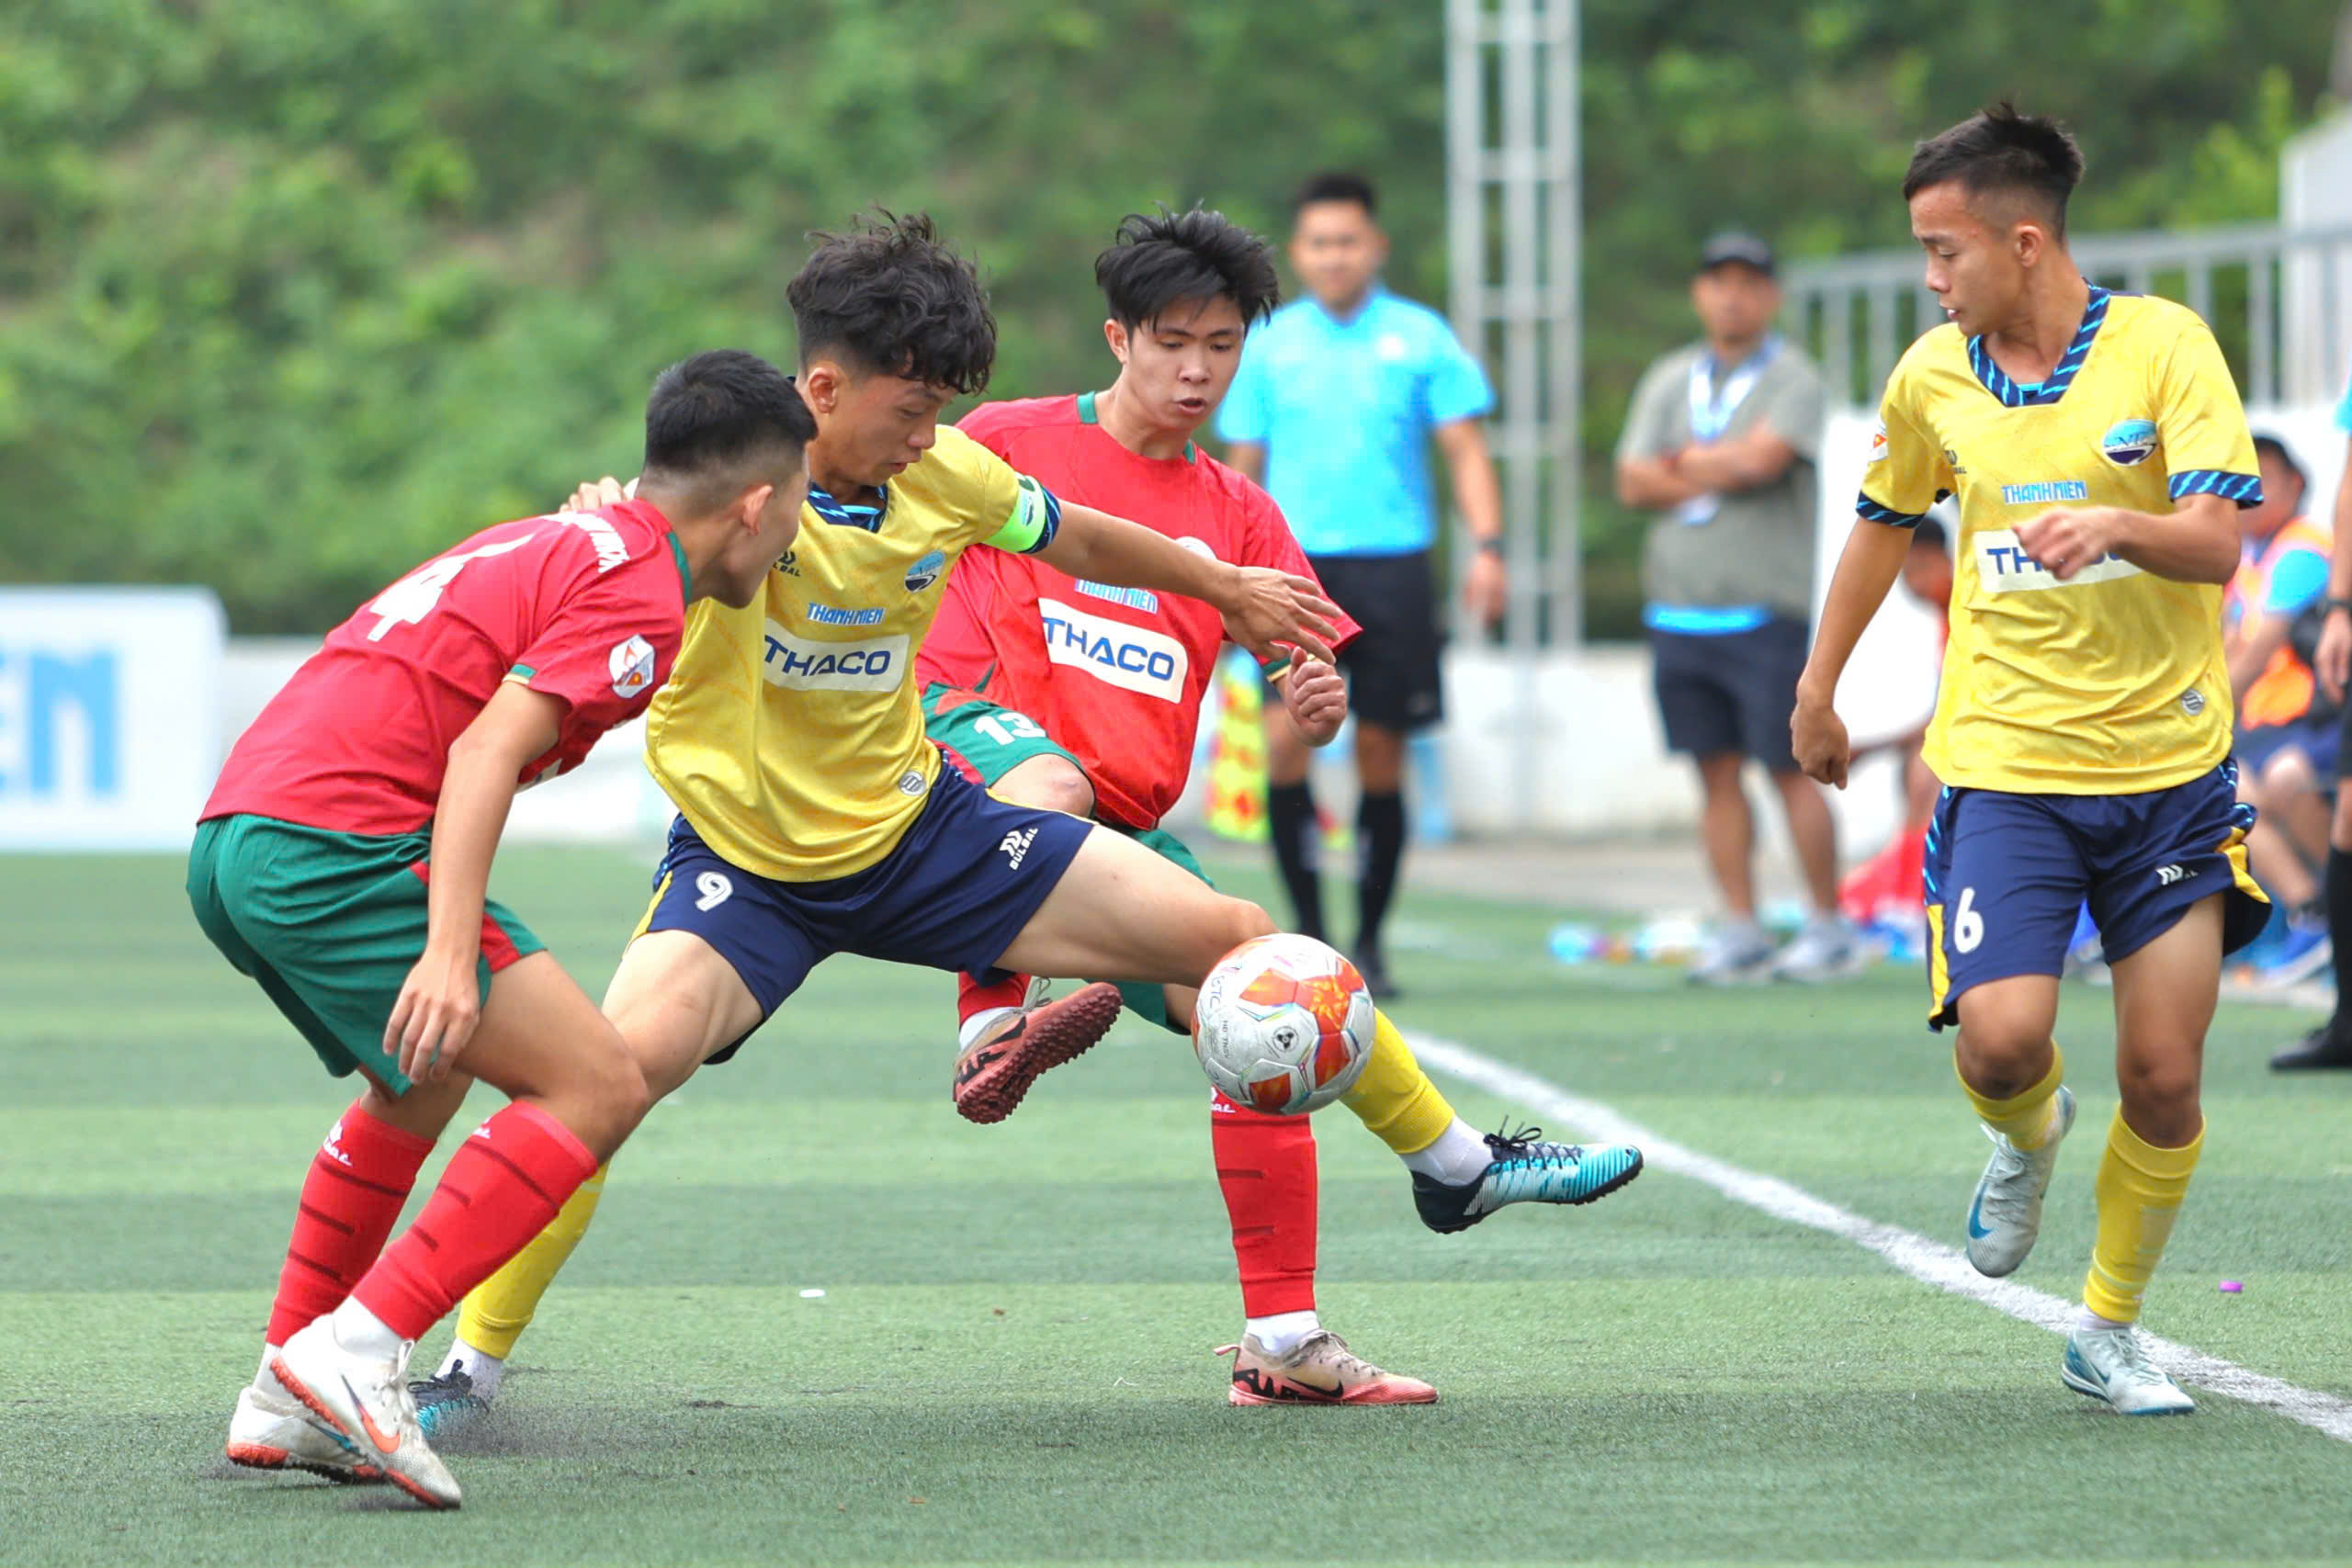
[(2330, 1045), (1338, 400), (1720, 445)]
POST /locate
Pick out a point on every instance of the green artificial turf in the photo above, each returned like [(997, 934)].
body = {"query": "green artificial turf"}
[(1011, 1360)]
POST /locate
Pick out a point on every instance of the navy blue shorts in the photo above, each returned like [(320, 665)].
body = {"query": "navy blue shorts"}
[(2007, 874), (1730, 693), (2257, 748), (953, 895)]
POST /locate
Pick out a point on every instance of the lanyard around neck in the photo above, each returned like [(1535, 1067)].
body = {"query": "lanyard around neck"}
[(1713, 403)]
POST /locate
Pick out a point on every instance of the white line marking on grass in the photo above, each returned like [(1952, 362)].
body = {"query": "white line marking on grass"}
[(1943, 1266)]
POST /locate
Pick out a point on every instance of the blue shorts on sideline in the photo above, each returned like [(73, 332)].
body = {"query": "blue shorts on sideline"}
[(2255, 748)]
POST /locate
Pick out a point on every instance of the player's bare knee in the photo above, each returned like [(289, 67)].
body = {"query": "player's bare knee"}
[(1049, 783), (2003, 1051), (1063, 788), (1229, 924), (613, 1096), (2162, 1086)]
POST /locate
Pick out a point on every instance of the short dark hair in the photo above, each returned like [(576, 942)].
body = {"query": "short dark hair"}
[(889, 295), (1998, 149), (2277, 447), (1159, 261), (710, 417), (1336, 186)]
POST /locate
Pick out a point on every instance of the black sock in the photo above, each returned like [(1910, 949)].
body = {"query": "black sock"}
[(1380, 822), (1298, 841), (2338, 894)]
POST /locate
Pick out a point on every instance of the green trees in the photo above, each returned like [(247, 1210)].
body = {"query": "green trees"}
[(293, 291)]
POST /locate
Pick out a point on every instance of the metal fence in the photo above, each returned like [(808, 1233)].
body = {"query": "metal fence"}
[(1512, 210), (2279, 301)]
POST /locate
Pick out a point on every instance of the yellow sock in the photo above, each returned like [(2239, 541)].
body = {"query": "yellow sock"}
[(2140, 1188), (2026, 1119), (497, 1311), (1395, 1098)]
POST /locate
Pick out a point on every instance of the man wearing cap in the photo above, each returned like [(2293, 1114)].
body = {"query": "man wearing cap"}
[(1720, 443)]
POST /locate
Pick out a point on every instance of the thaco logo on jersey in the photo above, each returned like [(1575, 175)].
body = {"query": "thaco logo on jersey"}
[(632, 666), (2002, 566), (2130, 442), (877, 664), (1134, 658)]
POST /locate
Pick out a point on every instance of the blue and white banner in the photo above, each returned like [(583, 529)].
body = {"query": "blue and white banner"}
[(110, 715)]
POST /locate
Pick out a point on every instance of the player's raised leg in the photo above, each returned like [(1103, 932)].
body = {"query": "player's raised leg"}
[(2005, 877), (2012, 1072), (2164, 996), (1122, 909)]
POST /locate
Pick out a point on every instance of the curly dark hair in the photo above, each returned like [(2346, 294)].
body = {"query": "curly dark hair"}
[(1157, 262), (1999, 149), (887, 294)]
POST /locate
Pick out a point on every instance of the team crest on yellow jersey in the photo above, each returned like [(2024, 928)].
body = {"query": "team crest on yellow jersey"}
[(2129, 442)]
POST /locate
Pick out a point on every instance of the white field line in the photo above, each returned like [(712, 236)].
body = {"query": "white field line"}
[(1943, 1266)]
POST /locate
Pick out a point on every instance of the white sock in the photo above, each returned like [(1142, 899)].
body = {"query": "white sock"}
[(979, 1024), (1459, 1157), (362, 1332), (2089, 1322), (1282, 1332), (485, 1368), (265, 1374)]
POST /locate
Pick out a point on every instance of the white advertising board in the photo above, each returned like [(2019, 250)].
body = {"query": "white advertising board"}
[(110, 715)]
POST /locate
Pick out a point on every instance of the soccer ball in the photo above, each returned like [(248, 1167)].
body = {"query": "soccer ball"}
[(1283, 1025)]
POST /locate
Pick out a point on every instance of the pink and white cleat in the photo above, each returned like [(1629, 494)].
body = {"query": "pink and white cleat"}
[(1320, 1370)]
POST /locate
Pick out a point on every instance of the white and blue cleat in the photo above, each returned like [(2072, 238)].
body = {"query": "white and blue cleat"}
[(2112, 1364), (1524, 1169), (2006, 1214), (447, 1403)]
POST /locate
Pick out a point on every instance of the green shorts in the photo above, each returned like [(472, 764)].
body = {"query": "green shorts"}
[(995, 740), (330, 924)]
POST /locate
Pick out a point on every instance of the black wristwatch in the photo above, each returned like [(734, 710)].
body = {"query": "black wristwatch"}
[(1494, 546), (2336, 605)]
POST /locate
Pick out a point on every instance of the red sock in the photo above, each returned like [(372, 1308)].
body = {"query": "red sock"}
[(1266, 1165), (358, 1181), (503, 1185), (972, 998)]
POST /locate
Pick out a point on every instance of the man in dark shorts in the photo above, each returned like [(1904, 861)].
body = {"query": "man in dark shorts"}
[(1338, 399), (1721, 443)]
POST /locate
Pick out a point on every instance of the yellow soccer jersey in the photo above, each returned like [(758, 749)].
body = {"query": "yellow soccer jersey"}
[(2113, 681), (791, 734)]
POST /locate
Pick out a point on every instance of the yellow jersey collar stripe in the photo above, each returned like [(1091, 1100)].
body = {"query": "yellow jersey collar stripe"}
[(2012, 396)]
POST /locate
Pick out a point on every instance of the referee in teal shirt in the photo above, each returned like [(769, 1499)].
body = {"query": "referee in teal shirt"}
[(1338, 400)]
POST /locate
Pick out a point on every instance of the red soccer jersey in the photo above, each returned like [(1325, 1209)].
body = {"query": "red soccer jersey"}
[(1114, 674), (586, 606)]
